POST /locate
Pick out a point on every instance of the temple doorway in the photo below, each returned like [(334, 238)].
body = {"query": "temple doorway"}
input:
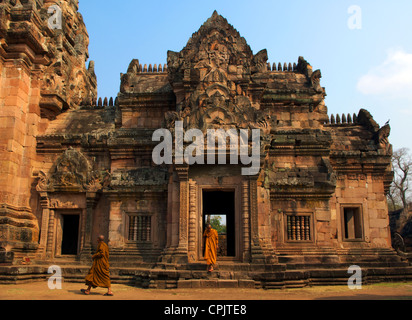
[(219, 211), (70, 234)]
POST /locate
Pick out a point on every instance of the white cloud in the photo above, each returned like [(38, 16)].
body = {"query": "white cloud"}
[(391, 79)]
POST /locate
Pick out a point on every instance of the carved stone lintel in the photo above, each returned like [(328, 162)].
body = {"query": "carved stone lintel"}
[(57, 204)]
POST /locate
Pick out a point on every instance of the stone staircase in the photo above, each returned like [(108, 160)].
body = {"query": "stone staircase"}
[(292, 271)]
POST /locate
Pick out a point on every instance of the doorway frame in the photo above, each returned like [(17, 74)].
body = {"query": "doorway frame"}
[(60, 228), (235, 189)]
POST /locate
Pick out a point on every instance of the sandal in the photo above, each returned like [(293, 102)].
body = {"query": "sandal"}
[(84, 291), (109, 294)]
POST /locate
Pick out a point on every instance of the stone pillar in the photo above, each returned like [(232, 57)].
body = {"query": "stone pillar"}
[(115, 235), (83, 236), (172, 220), (181, 252), (193, 210), (44, 228), (86, 247), (245, 221), (256, 250), (50, 235), (261, 250)]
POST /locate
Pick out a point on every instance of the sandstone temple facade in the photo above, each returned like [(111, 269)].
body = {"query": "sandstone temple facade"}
[(74, 167)]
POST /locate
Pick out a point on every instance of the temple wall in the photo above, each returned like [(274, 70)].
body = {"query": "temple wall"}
[(327, 217), (315, 231), (118, 220), (18, 121), (365, 191), (19, 117)]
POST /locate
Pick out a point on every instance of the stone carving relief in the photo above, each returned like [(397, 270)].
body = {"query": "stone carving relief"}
[(66, 76), (72, 170), (57, 204), (210, 77), (139, 177), (382, 139), (315, 81), (380, 134)]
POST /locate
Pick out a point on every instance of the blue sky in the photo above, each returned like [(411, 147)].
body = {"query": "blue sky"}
[(369, 67)]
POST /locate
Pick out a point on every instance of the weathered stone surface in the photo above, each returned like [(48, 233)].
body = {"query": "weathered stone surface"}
[(42, 74), (319, 195)]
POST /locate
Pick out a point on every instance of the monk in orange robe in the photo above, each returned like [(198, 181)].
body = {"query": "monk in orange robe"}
[(99, 275), (211, 241)]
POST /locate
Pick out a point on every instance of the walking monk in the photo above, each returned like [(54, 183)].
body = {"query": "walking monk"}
[(99, 275), (211, 241)]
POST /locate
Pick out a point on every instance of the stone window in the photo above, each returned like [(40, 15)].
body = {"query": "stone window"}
[(352, 223), (140, 228), (298, 228)]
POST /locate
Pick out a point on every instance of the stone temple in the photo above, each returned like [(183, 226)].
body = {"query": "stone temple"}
[(74, 166)]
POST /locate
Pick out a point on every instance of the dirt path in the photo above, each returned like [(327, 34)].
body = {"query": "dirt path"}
[(71, 291)]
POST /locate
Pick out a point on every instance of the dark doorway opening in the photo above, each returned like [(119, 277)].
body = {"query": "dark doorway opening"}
[(219, 210), (70, 240)]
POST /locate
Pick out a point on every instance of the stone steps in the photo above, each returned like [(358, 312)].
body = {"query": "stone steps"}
[(295, 277), (294, 266), (292, 271)]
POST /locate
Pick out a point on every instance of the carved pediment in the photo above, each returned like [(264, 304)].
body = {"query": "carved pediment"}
[(72, 172), (71, 169), (210, 78)]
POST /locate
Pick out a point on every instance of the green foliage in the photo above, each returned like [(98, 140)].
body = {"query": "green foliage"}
[(216, 222)]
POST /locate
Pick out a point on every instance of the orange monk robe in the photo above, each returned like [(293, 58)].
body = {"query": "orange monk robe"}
[(99, 275), (211, 241)]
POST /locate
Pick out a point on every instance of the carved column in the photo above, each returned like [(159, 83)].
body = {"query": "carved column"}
[(183, 219), (172, 228), (257, 255), (192, 220), (181, 253), (86, 232), (261, 250), (44, 203), (245, 221), (50, 235), (83, 222)]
